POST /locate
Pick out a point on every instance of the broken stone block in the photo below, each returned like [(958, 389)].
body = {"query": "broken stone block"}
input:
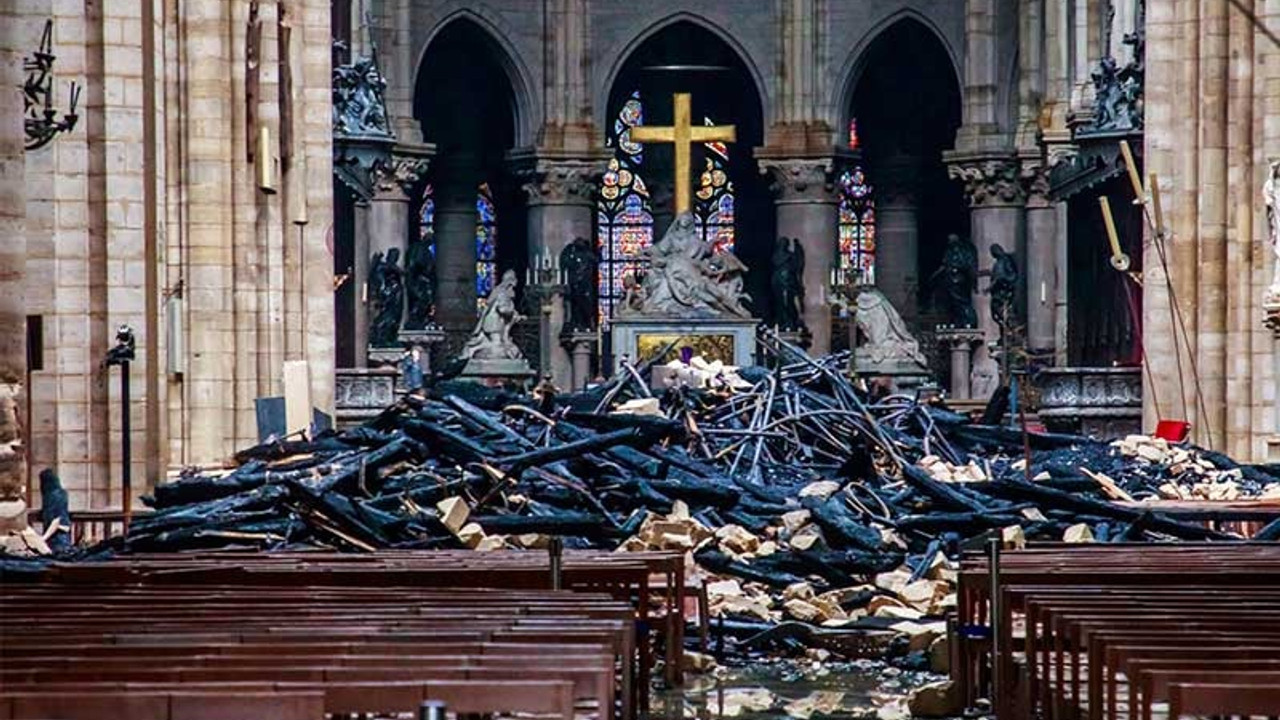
[(936, 700), (893, 581), (1013, 537), (1078, 533), (698, 662), (921, 635), (940, 655), (921, 593), (453, 513), (795, 520), (471, 534), (898, 613), (803, 611), (808, 537), (800, 590), (737, 539), (821, 489)]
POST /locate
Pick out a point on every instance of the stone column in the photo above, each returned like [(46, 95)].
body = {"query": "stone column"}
[(386, 226), (13, 251), (994, 189), (1041, 265), (898, 234), (805, 197), (561, 200), (455, 188)]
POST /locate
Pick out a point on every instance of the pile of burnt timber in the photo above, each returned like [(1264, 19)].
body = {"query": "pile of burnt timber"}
[(798, 497)]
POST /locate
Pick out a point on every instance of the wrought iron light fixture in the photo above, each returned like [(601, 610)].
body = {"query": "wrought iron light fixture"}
[(42, 124)]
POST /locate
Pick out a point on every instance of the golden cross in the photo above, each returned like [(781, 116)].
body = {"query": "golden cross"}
[(682, 133)]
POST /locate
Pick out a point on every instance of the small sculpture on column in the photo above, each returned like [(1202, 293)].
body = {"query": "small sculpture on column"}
[(787, 284), (1270, 190), (579, 263), (959, 278), (1004, 286), (386, 291), (420, 283)]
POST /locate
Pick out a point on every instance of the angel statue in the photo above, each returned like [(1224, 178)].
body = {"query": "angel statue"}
[(887, 339), (491, 339)]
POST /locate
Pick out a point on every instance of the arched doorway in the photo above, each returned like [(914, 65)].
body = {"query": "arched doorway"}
[(470, 209), (730, 199), (898, 203)]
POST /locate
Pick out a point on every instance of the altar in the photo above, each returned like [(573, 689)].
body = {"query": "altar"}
[(732, 341)]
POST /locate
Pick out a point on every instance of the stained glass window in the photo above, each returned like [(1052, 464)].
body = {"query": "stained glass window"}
[(486, 244), (857, 225), (427, 216), (625, 219), (713, 204)]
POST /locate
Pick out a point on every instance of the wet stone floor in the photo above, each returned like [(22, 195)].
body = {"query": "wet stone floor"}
[(809, 690)]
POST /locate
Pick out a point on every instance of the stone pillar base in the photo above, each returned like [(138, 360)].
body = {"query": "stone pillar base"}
[(580, 344), (961, 342)]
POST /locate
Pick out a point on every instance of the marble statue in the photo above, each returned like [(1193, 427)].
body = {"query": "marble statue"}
[(420, 283), (888, 342), (491, 338), (1270, 193), (959, 278), (787, 283), (386, 291), (579, 262), (686, 279), (1004, 285)]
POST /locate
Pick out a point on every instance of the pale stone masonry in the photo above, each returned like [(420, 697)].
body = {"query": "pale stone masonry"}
[(1213, 125), (149, 214)]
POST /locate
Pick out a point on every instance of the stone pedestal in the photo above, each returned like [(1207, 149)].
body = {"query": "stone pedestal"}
[(805, 197), (729, 340), (960, 343), (498, 372), (362, 393), (580, 344)]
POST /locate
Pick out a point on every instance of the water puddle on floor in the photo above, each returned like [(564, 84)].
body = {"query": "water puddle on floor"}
[(808, 690)]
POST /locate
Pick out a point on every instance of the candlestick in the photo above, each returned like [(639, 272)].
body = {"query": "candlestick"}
[(1132, 167)]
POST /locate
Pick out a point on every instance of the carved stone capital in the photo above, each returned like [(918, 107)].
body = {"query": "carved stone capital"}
[(989, 181), (801, 179), (399, 174), (1035, 183), (558, 181)]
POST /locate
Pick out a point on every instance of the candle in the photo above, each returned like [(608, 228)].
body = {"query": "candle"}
[(1134, 178), (1119, 260), (1157, 214)]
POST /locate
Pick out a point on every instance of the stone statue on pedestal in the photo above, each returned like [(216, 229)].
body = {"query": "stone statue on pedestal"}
[(787, 283), (578, 260), (386, 292), (686, 279), (491, 338), (889, 345), (420, 283), (959, 278), (1270, 192), (1004, 285)]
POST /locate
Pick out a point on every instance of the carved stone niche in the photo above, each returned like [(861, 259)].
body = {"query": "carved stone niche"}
[(1102, 402)]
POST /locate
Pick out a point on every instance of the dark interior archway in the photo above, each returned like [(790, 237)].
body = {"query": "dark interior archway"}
[(466, 103), (686, 57), (906, 104)]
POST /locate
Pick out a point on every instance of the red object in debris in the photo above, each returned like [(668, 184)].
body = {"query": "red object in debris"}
[(1173, 430)]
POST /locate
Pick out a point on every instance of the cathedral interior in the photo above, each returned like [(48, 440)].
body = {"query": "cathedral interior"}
[(662, 358)]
